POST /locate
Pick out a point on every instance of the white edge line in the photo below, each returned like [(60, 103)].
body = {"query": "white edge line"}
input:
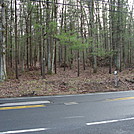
[(60, 96), (25, 103), (109, 121), (24, 131)]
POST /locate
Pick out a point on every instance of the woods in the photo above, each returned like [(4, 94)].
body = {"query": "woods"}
[(60, 33)]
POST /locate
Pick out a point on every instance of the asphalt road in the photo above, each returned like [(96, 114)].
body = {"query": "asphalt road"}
[(99, 113)]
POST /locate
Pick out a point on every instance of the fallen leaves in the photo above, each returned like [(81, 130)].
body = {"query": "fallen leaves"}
[(65, 82)]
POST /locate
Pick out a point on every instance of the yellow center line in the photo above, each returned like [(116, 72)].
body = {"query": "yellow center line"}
[(21, 107), (117, 99)]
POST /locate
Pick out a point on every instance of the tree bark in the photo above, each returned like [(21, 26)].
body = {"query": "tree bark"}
[(2, 43), (16, 42)]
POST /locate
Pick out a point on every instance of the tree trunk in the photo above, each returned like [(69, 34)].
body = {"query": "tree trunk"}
[(78, 74), (2, 43), (49, 40), (16, 42), (93, 42)]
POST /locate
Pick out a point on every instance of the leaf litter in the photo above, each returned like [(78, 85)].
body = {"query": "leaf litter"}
[(66, 82)]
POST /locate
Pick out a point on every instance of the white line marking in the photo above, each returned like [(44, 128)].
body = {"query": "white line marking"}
[(25, 103), (110, 121), (73, 117), (24, 131), (71, 103)]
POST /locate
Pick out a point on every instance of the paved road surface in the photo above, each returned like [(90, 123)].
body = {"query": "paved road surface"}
[(100, 113)]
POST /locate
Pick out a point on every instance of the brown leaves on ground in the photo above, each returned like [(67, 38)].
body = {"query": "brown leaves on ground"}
[(66, 82)]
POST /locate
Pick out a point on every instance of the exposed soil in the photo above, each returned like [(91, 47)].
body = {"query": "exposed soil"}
[(66, 82)]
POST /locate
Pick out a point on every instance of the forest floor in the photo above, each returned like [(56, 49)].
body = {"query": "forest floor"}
[(66, 82)]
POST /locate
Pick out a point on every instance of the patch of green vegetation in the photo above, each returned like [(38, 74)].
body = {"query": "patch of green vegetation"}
[(32, 82), (49, 73), (49, 90), (1, 82), (87, 80), (37, 89), (72, 89)]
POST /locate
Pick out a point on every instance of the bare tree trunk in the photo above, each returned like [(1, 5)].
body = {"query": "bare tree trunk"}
[(43, 53), (93, 42), (82, 33), (49, 40), (65, 48), (30, 40), (40, 39), (78, 74), (27, 44), (11, 36), (2, 42), (55, 59), (61, 29), (16, 42)]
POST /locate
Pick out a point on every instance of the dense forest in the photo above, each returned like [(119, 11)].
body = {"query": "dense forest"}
[(59, 33)]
